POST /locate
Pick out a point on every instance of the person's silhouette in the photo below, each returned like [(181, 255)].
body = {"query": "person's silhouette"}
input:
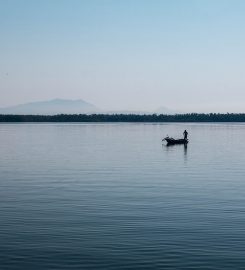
[(185, 133)]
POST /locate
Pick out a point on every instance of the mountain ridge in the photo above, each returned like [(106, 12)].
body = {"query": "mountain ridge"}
[(72, 106), (53, 106)]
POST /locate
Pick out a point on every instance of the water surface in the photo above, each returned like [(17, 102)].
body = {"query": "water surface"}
[(111, 196)]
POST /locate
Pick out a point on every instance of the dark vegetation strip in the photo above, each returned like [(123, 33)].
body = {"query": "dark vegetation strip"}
[(192, 117)]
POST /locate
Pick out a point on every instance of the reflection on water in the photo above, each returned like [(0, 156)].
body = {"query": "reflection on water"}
[(166, 146), (109, 196), (185, 149)]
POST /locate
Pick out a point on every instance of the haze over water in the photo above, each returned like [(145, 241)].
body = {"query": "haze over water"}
[(111, 196)]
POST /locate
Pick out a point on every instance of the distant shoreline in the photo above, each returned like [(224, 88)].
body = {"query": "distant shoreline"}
[(112, 118)]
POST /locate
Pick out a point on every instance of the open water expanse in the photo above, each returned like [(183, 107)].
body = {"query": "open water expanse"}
[(111, 196)]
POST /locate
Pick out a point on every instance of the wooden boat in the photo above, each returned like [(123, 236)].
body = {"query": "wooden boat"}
[(175, 141)]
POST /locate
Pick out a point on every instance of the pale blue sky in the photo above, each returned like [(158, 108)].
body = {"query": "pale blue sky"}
[(125, 54)]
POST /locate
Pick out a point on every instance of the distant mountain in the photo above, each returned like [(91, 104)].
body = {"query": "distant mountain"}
[(51, 107), (66, 106)]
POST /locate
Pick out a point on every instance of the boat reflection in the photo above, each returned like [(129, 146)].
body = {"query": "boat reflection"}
[(170, 145)]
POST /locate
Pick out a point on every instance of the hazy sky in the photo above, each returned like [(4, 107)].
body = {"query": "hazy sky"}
[(124, 54)]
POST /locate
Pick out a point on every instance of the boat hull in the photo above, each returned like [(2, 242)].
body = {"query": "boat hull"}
[(176, 141)]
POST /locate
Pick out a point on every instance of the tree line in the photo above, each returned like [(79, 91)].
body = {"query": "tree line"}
[(189, 117)]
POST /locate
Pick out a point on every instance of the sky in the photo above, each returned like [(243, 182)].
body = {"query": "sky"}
[(187, 55)]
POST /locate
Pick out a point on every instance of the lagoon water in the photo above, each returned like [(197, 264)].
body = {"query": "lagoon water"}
[(111, 196)]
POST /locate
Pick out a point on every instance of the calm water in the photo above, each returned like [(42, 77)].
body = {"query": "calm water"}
[(111, 196)]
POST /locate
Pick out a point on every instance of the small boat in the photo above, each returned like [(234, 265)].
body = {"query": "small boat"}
[(175, 141)]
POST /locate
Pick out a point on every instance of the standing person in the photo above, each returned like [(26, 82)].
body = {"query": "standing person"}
[(185, 133)]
